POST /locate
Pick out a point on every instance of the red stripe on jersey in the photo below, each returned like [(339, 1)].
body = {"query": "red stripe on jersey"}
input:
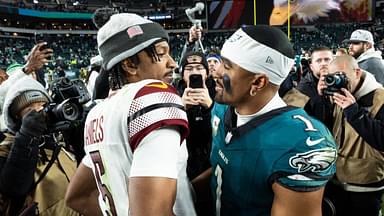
[(155, 87), (182, 123)]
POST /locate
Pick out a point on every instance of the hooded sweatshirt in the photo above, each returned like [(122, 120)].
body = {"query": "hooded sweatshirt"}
[(372, 62)]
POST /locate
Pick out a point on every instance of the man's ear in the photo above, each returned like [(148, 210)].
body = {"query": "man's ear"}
[(259, 81), (367, 46), (128, 66)]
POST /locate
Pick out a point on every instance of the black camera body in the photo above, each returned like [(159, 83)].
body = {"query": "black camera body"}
[(335, 82), (67, 107)]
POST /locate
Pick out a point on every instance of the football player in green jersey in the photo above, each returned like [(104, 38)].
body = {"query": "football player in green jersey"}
[(267, 158)]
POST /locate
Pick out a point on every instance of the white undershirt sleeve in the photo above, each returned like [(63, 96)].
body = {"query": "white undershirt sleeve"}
[(157, 154), (87, 161)]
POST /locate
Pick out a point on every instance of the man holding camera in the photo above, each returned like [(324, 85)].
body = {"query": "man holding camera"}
[(307, 87), (357, 122), (24, 153)]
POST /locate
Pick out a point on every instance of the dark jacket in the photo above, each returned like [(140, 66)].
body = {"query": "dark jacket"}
[(18, 161), (200, 136), (308, 85)]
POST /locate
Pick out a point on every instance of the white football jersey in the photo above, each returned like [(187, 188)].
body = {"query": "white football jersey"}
[(114, 129)]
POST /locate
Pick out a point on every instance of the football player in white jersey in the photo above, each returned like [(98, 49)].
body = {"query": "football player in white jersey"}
[(136, 157)]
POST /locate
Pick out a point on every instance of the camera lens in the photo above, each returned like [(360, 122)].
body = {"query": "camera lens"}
[(70, 111), (330, 80)]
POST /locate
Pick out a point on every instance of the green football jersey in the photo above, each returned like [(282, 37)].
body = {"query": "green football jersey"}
[(285, 145)]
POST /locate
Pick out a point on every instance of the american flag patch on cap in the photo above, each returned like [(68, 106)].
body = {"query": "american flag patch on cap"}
[(134, 31)]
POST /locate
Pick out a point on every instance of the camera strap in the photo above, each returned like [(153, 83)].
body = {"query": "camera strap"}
[(54, 157)]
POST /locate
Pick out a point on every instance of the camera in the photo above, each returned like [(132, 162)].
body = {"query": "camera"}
[(66, 110), (335, 82)]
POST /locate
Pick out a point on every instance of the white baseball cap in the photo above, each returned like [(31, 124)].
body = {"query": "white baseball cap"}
[(361, 35)]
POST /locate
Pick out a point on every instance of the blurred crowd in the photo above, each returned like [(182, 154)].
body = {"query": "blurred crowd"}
[(73, 52)]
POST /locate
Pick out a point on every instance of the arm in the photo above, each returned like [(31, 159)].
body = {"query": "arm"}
[(291, 203), (201, 185), (370, 129), (82, 192), (17, 174), (17, 170), (190, 44), (154, 172), (152, 195)]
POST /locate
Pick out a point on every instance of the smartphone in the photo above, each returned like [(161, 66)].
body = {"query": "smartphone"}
[(196, 81)]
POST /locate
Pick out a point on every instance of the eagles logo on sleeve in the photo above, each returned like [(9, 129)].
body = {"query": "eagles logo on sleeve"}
[(155, 105), (315, 160)]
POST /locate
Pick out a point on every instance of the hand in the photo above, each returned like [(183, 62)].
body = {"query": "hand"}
[(187, 100), (194, 34), (33, 124), (201, 96), (321, 85), (37, 58), (345, 100)]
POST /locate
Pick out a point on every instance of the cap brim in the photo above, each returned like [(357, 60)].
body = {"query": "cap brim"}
[(350, 41)]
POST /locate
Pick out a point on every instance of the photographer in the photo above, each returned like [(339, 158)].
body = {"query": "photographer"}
[(24, 163), (356, 115)]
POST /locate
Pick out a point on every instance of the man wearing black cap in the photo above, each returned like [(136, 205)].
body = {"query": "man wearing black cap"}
[(267, 158), (134, 140), (198, 100), (197, 96)]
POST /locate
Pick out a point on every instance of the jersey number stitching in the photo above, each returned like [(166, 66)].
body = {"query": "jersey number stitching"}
[(218, 174), (99, 171)]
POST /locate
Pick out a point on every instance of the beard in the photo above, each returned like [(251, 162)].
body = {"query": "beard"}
[(357, 53)]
